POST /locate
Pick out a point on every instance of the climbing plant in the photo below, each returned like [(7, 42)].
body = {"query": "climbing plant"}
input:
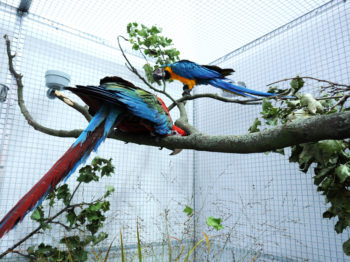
[(330, 159)]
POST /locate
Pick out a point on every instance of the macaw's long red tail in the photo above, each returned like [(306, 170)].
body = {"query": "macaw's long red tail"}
[(88, 140)]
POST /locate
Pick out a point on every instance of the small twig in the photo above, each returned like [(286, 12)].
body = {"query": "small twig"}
[(312, 78), (75, 190), (61, 224), (47, 221), (217, 97), (340, 102), (22, 254)]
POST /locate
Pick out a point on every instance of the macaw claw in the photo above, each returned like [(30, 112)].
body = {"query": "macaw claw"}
[(175, 151)]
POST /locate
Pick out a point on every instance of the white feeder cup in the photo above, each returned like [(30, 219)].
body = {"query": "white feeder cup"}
[(55, 80), (229, 94)]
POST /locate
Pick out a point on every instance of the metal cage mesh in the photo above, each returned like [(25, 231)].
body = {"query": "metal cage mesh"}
[(269, 208)]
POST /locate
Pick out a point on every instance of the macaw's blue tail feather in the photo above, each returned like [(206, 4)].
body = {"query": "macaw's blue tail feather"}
[(240, 90), (89, 139)]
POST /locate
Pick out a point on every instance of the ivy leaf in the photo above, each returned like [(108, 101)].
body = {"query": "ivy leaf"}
[(322, 172), (346, 247), (72, 242), (63, 193), (330, 149), (38, 214), (188, 210), (110, 190), (71, 217), (340, 226), (87, 174), (101, 236), (254, 127), (214, 222), (296, 84), (343, 172)]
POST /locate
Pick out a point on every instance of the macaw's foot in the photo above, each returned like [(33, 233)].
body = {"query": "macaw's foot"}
[(175, 151), (187, 91)]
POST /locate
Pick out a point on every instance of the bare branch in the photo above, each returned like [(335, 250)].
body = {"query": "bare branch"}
[(82, 109), (21, 104), (217, 97), (312, 78)]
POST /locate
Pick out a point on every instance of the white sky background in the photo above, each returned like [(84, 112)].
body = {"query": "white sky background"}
[(202, 30)]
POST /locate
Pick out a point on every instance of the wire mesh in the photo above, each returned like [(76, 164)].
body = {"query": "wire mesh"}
[(268, 208), (148, 181)]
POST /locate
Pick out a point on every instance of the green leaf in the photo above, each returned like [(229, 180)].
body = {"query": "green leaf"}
[(105, 206), (340, 226), (214, 222), (343, 172), (346, 247), (30, 250), (321, 172), (72, 242), (188, 210), (109, 191), (63, 193), (330, 149), (38, 214), (95, 207), (101, 236), (254, 127), (87, 174), (296, 84), (71, 217)]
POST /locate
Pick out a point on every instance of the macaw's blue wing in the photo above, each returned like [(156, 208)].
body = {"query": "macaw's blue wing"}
[(135, 100), (144, 105), (191, 70)]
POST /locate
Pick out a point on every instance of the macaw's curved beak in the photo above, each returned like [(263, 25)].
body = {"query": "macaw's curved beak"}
[(158, 74)]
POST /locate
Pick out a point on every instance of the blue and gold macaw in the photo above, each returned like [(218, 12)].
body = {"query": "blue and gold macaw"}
[(115, 103), (191, 74)]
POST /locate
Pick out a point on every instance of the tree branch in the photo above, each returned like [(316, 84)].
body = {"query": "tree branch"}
[(81, 109), (312, 78), (332, 126), (217, 97)]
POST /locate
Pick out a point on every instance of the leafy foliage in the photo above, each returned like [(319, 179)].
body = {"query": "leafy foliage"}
[(82, 217), (330, 158), (153, 45), (214, 222), (188, 210)]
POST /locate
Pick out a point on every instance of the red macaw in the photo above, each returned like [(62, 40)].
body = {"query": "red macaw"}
[(114, 103), (191, 74)]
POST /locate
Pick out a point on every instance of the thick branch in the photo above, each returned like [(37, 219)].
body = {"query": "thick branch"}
[(182, 122), (333, 126)]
